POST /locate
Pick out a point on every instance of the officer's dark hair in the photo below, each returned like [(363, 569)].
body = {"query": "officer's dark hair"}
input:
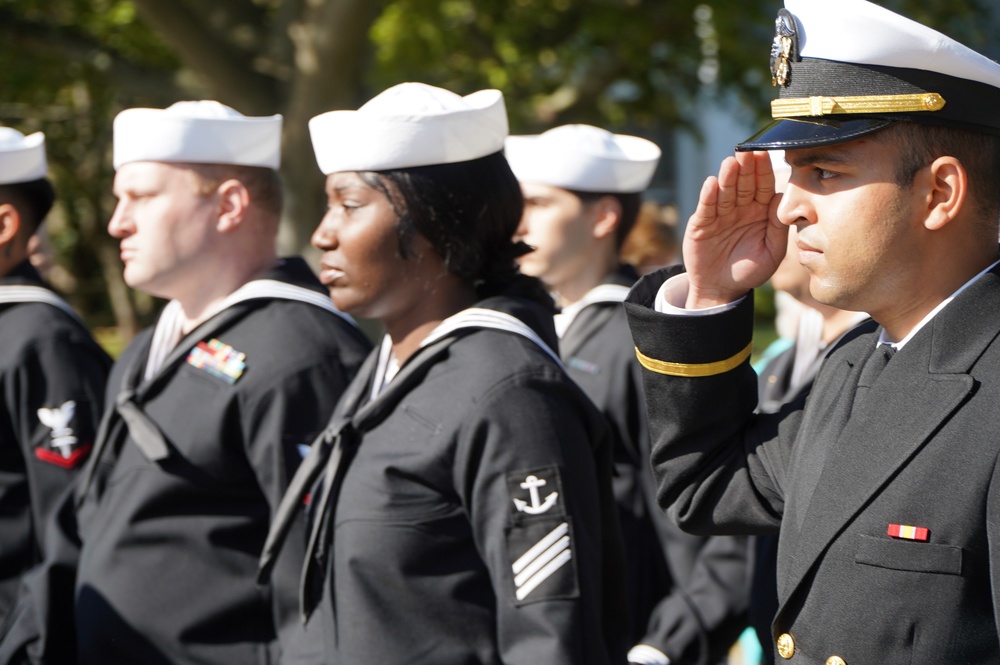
[(264, 184), (33, 200), (920, 144), (630, 204), (469, 212)]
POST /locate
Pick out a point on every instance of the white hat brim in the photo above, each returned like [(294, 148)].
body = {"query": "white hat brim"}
[(365, 140), (24, 161), (152, 135), (555, 158)]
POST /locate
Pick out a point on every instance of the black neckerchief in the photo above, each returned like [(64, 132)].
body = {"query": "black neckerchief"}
[(330, 455)]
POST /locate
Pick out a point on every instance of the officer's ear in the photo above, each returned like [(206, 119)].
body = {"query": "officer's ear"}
[(607, 212), (234, 202), (10, 223), (946, 186)]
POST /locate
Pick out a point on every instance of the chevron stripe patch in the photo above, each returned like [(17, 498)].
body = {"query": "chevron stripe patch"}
[(542, 560), (539, 563)]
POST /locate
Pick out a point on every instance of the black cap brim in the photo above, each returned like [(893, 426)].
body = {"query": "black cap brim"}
[(796, 133)]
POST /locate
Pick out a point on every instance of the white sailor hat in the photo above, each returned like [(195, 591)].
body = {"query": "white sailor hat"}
[(200, 132), (22, 158), (584, 158), (410, 124), (849, 68)]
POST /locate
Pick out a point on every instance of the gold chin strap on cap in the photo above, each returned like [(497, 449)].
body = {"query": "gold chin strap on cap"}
[(693, 370), (817, 106)]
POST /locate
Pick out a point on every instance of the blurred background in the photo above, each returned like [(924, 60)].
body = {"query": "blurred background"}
[(691, 76)]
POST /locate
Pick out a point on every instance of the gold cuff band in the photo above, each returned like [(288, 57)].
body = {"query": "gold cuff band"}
[(690, 370), (817, 106)]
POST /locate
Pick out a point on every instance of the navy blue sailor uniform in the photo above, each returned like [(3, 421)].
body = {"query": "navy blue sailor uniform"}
[(465, 513), (195, 454), (687, 595), (888, 533), (52, 377)]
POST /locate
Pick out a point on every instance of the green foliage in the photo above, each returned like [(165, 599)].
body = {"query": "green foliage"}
[(634, 63), (68, 66), (600, 61)]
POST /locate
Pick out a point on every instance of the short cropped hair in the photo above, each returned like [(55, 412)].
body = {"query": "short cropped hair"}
[(920, 144), (264, 184), (33, 200), (630, 204)]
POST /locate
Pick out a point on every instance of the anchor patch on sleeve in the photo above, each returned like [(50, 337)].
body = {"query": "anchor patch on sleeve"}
[(536, 492), (539, 537)]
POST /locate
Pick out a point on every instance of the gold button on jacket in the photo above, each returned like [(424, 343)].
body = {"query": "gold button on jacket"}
[(835, 660), (786, 646)]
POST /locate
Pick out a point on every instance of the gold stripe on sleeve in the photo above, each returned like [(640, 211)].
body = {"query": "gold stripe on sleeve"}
[(693, 370)]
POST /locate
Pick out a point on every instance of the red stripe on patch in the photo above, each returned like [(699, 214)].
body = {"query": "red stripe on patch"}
[(54, 457), (920, 533)]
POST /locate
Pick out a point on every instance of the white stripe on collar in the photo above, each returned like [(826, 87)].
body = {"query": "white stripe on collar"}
[(602, 293), (22, 293), (473, 317), (272, 288), (169, 327)]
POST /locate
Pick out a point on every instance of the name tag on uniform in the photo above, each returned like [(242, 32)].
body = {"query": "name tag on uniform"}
[(579, 363)]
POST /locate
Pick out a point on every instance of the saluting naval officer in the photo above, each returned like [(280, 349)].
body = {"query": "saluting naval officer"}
[(885, 483), (582, 189), (52, 372), (208, 412)]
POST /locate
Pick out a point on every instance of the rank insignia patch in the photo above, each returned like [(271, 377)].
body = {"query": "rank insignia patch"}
[(64, 448), (541, 560), (220, 360), (536, 492)]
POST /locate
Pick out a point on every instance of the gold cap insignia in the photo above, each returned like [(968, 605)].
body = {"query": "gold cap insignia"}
[(783, 49)]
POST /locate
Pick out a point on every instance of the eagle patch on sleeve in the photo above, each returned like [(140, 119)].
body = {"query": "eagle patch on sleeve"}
[(540, 545), (63, 448)]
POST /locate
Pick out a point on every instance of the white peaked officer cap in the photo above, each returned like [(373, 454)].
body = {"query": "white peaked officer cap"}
[(584, 158), (410, 124), (22, 158), (848, 68), (201, 132)]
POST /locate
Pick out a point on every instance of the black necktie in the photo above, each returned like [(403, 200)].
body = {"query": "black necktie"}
[(329, 457), (873, 366)]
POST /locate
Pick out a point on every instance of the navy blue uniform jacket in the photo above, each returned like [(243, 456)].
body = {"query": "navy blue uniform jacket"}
[(921, 450)]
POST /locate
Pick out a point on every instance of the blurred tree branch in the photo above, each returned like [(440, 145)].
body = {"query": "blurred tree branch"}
[(68, 66), (206, 49)]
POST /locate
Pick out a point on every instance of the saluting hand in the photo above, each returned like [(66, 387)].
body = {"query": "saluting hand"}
[(734, 241)]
